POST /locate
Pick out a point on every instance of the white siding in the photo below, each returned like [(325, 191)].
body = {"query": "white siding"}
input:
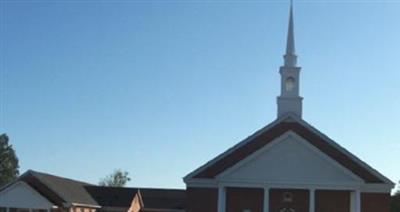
[(21, 195), (291, 159)]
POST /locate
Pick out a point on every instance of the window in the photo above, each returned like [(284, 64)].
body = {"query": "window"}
[(289, 84)]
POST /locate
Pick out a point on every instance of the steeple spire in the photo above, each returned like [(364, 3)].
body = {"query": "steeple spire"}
[(290, 56), (290, 101)]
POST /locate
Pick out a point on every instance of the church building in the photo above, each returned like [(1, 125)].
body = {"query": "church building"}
[(287, 166)]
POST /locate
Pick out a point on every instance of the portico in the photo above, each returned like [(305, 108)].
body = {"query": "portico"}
[(353, 206)]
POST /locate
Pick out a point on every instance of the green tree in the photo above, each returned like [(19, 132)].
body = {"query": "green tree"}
[(118, 178), (9, 168)]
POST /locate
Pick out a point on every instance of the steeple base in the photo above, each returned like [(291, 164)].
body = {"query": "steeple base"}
[(290, 105)]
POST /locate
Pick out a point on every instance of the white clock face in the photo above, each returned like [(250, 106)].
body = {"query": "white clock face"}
[(289, 84)]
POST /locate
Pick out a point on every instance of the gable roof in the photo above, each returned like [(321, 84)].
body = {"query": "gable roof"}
[(152, 199), (61, 191), (166, 199), (267, 134), (112, 196), (22, 191), (66, 192), (290, 159)]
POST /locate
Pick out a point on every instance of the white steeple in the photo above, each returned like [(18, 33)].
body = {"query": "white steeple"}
[(290, 56), (289, 101)]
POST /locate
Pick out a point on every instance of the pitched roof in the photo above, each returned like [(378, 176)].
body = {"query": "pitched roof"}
[(59, 190), (112, 196), (152, 199), (171, 199), (276, 129)]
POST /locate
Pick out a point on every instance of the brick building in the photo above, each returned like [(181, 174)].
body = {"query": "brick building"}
[(287, 166), (41, 192)]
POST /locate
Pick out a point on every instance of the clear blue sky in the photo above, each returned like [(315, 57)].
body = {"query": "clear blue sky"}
[(160, 87)]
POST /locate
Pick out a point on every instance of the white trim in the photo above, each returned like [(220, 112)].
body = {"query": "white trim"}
[(251, 157), (293, 118), (236, 146), (35, 175), (266, 199), (202, 183), (284, 136), (312, 200), (327, 158), (289, 185), (85, 205), (370, 188), (29, 188), (221, 198), (355, 201), (346, 152), (376, 188), (352, 202)]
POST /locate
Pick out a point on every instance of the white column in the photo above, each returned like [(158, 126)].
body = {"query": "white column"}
[(355, 201), (312, 200), (221, 199), (358, 201), (266, 199), (352, 201)]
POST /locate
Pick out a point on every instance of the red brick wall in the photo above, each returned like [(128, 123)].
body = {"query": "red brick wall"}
[(375, 202), (300, 200), (239, 199), (135, 204), (332, 201), (202, 199)]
